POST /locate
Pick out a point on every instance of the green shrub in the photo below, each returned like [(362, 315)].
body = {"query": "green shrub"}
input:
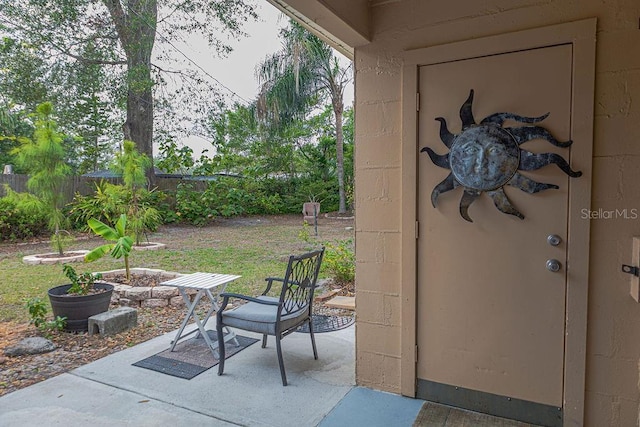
[(249, 196), (192, 206), (340, 261), (22, 215), (109, 201), (38, 317), (104, 204)]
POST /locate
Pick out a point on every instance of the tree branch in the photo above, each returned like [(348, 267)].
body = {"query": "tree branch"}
[(81, 58), (119, 18)]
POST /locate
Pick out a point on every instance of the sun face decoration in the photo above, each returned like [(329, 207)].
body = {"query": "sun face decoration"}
[(485, 157)]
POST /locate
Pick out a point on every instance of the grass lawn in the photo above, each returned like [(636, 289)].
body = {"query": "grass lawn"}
[(254, 247)]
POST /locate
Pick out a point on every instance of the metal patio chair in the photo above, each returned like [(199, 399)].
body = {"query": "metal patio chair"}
[(272, 315)]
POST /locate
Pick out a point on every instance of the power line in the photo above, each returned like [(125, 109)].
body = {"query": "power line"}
[(183, 54)]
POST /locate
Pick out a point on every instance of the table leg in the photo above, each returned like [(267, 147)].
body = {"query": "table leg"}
[(229, 334), (190, 310)]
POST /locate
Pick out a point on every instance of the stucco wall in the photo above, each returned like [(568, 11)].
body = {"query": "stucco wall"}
[(613, 348)]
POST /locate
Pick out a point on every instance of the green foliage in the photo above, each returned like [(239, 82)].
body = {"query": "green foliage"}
[(80, 284), (133, 166), (340, 261), (94, 59), (174, 159), (104, 204), (194, 207), (305, 234), (228, 197), (44, 157), (14, 127), (122, 246), (37, 309), (109, 201), (22, 215), (294, 79)]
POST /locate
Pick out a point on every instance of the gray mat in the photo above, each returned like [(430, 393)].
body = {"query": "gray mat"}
[(191, 357)]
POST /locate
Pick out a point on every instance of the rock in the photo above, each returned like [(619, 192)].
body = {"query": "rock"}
[(138, 294), (154, 302), (125, 302), (32, 345), (164, 292)]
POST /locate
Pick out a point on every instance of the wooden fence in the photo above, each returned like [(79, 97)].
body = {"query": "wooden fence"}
[(86, 185)]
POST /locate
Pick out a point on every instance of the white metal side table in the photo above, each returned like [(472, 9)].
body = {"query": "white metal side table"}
[(211, 285)]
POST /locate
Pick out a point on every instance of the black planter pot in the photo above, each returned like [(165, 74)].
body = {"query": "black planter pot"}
[(78, 308)]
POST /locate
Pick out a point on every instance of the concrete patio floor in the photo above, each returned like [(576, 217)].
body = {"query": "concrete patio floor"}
[(111, 391)]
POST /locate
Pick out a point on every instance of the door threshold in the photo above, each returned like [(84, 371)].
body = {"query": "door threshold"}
[(438, 415)]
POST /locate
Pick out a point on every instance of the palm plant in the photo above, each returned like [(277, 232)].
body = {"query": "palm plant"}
[(122, 242), (292, 80)]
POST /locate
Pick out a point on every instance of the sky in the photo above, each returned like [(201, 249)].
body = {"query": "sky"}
[(237, 71)]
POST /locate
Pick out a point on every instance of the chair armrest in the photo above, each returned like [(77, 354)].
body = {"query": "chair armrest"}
[(226, 297)]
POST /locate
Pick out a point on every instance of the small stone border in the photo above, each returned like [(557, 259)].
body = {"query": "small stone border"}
[(145, 296), (149, 246), (49, 258), (338, 217)]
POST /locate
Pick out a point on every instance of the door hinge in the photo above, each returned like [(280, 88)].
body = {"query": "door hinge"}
[(417, 229), (417, 101)]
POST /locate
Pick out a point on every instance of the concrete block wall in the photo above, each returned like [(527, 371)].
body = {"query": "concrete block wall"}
[(378, 237), (612, 395)]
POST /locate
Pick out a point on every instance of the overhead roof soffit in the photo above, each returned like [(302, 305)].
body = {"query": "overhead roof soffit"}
[(328, 24)]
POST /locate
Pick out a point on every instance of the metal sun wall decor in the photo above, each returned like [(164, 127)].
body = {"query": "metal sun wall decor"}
[(485, 157)]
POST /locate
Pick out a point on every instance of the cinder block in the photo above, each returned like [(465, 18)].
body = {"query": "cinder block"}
[(113, 321)]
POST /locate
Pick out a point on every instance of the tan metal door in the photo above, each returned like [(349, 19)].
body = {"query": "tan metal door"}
[(491, 316)]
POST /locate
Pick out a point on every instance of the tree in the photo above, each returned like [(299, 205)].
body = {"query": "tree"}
[(44, 157), (123, 34), (295, 77), (14, 128), (84, 108)]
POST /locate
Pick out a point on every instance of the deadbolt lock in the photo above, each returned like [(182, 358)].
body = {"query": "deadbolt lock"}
[(553, 265), (554, 239)]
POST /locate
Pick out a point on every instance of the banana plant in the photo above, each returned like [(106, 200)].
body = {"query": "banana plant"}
[(118, 234)]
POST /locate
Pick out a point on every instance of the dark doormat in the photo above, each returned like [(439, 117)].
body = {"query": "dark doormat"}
[(323, 323), (191, 357)]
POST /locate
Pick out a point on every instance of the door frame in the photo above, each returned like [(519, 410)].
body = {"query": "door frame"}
[(582, 36)]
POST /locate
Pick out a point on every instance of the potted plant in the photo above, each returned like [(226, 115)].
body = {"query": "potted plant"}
[(80, 299)]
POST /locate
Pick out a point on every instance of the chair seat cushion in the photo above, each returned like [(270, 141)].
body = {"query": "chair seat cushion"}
[(261, 318)]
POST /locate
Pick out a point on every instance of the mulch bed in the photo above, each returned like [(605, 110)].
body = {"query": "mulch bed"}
[(75, 349)]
